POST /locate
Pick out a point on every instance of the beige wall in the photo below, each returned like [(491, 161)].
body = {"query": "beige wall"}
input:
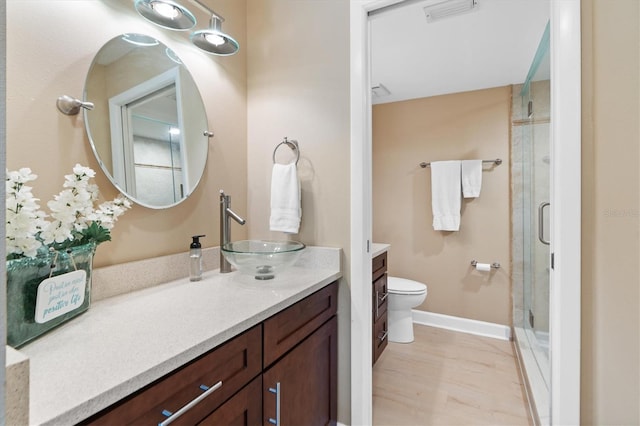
[(291, 67), (299, 82), (459, 126), (53, 58), (298, 85), (611, 212)]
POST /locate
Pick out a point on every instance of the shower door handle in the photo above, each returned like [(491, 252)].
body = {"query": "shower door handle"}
[(541, 222)]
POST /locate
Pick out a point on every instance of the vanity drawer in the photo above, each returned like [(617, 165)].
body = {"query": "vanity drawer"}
[(380, 330), (380, 294), (379, 265), (285, 329), (234, 363)]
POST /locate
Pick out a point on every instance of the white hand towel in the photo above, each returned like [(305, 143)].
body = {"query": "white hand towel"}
[(445, 195), (471, 178), (285, 199)]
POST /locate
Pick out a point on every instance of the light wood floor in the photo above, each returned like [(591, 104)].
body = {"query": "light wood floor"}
[(448, 378)]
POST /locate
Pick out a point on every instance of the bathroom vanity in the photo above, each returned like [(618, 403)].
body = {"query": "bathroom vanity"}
[(289, 361), (142, 356), (379, 292)]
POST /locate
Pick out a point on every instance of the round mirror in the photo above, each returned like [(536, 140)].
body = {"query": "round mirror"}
[(148, 129)]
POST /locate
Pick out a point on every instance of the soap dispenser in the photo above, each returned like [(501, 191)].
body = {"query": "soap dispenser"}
[(195, 259)]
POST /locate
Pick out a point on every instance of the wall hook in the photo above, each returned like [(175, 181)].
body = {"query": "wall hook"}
[(71, 106)]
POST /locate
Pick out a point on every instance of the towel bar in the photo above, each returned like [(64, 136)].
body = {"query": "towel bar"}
[(497, 162), (293, 144)]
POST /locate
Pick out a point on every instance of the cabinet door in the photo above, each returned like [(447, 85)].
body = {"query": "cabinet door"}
[(304, 382), (244, 409)]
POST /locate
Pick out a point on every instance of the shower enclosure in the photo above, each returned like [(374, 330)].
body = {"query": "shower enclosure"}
[(530, 227)]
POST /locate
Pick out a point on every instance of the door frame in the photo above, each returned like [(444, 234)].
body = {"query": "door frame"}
[(565, 285), (565, 280)]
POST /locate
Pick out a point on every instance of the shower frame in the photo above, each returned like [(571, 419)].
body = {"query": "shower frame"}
[(530, 183)]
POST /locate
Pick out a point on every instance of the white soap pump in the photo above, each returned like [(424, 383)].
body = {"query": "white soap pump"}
[(195, 258)]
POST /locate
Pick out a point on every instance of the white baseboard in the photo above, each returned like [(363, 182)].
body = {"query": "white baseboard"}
[(464, 325)]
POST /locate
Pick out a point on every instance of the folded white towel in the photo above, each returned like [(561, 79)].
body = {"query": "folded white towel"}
[(445, 195), (285, 199), (471, 178)]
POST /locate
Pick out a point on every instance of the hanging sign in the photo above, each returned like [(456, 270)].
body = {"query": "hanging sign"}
[(59, 295)]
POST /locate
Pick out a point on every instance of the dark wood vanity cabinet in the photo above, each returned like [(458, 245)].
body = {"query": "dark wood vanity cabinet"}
[(379, 292), (283, 370), (300, 388)]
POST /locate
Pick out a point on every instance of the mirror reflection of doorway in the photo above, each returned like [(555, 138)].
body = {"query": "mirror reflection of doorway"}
[(155, 170), (147, 137)]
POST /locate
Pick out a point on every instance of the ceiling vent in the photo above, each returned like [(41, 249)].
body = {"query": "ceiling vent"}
[(446, 8), (380, 91)]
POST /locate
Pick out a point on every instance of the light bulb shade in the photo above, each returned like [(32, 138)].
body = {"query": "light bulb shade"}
[(172, 55), (166, 13), (140, 39), (214, 41)]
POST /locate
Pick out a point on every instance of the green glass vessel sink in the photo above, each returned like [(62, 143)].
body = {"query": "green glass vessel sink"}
[(262, 259)]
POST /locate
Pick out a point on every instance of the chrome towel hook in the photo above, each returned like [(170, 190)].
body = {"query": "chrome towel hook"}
[(293, 144)]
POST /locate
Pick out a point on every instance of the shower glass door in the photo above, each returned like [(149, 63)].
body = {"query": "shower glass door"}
[(532, 324)]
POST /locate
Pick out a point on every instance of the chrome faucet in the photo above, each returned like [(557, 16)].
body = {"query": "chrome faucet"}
[(225, 228)]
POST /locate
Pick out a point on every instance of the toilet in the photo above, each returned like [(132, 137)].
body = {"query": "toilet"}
[(403, 296)]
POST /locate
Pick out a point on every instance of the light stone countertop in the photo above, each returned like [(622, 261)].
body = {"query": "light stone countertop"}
[(17, 387), (378, 248), (123, 343)]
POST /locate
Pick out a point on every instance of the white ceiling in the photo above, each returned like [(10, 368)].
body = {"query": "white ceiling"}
[(490, 46)]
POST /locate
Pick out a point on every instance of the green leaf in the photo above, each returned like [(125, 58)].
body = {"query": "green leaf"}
[(96, 233)]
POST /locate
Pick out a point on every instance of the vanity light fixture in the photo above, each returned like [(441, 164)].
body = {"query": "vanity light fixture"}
[(166, 13), (213, 40), (171, 15)]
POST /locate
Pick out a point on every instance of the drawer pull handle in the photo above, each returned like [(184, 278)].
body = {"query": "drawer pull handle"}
[(379, 300), (276, 421), (190, 405), (384, 336)]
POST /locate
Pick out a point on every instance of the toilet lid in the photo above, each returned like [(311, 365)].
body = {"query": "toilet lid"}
[(403, 286)]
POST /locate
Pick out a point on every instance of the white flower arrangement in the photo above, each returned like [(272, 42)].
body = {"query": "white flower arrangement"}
[(75, 220)]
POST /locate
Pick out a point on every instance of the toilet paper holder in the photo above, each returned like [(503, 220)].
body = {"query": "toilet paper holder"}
[(494, 265)]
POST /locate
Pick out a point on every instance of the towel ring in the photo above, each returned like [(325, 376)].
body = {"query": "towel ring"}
[(291, 144)]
